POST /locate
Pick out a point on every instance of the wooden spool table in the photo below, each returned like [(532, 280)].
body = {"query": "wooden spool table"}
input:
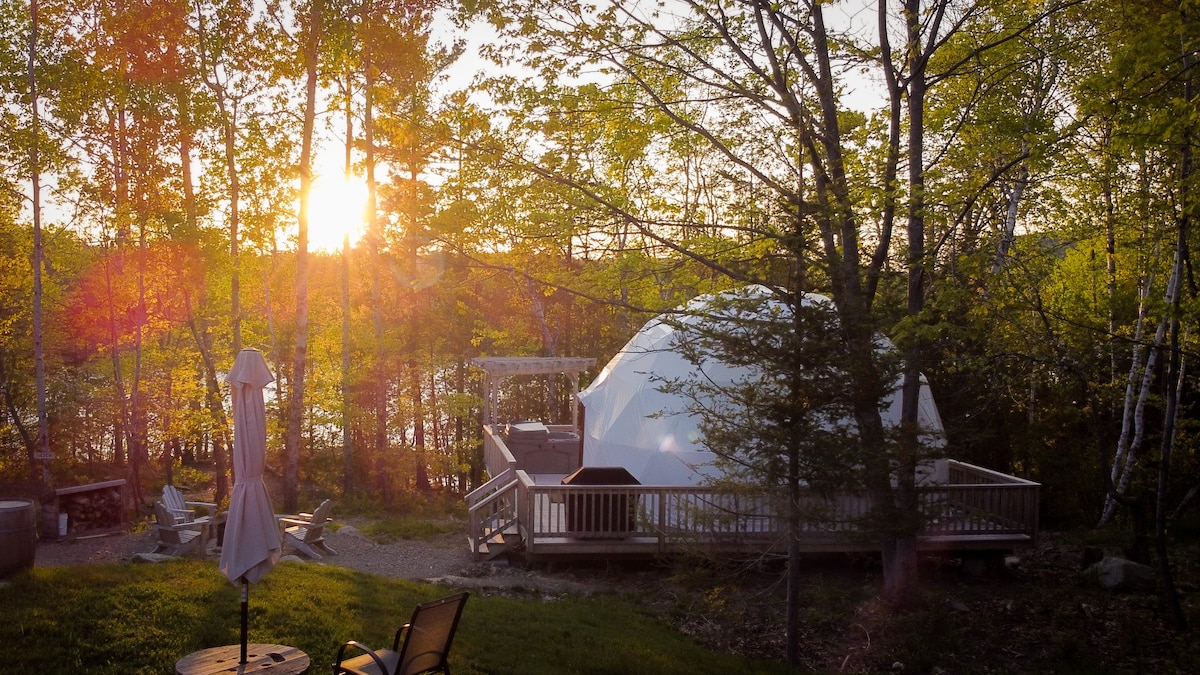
[(260, 658)]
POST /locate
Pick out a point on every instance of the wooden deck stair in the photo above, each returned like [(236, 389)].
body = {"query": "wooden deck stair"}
[(495, 543), (494, 529)]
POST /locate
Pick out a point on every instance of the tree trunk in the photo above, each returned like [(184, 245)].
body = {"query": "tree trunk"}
[(1175, 372), (14, 415), (466, 479), (1170, 594), (421, 473), (222, 446), (137, 426), (40, 461), (229, 130), (1133, 411), (375, 243), (1010, 219), (795, 575), (227, 114), (347, 444), (218, 423), (1137, 394), (291, 463)]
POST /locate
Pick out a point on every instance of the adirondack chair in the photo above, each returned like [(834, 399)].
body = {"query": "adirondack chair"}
[(182, 510), (426, 649), (306, 532), (178, 539)]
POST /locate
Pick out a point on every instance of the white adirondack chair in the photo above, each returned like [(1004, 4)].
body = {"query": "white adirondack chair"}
[(178, 539), (183, 511), (306, 532)]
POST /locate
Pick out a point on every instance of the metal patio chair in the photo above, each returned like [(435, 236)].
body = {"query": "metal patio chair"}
[(425, 648)]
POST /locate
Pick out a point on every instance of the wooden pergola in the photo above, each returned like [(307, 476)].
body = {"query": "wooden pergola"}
[(499, 368)]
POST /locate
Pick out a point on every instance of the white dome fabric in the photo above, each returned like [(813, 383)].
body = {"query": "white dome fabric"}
[(629, 422)]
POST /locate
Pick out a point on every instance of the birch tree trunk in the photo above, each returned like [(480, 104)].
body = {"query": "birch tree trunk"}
[(1175, 370), (1137, 392), (1010, 217)]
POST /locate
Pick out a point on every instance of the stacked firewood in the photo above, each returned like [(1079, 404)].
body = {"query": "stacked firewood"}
[(92, 510)]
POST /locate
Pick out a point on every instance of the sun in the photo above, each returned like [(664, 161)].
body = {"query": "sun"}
[(335, 210)]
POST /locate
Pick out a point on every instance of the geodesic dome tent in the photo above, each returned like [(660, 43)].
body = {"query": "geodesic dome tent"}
[(629, 421)]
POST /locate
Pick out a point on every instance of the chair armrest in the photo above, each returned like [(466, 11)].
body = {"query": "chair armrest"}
[(293, 521), (399, 633), (197, 524), (337, 665), (207, 506)]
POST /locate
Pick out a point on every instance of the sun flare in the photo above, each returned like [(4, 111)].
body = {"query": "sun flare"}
[(335, 210)]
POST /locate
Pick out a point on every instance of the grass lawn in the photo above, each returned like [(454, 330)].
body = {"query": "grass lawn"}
[(142, 618)]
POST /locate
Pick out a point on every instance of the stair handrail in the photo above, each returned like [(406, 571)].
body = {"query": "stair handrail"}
[(478, 534), (485, 490), (495, 496)]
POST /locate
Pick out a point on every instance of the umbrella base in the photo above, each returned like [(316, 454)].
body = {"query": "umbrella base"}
[(260, 658)]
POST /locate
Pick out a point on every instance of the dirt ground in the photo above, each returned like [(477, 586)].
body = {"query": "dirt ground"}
[(444, 559)]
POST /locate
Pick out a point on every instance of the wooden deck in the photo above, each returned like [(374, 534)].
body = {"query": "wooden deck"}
[(966, 508)]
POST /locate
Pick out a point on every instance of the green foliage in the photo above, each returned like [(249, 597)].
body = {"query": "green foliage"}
[(783, 418), (190, 476), (406, 513)]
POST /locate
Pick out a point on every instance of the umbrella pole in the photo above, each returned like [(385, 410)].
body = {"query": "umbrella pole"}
[(245, 615)]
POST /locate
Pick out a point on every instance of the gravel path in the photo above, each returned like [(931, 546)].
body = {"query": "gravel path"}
[(442, 560), (408, 559)]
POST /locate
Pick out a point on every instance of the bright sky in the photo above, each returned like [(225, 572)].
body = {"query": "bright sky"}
[(335, 209)]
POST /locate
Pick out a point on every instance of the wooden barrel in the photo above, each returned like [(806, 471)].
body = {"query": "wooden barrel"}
[(18, 536)]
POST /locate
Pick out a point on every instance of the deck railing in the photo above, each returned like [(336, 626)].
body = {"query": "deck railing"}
[(973, 505)]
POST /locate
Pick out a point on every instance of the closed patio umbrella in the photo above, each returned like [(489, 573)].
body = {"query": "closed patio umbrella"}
[(251, 545)]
